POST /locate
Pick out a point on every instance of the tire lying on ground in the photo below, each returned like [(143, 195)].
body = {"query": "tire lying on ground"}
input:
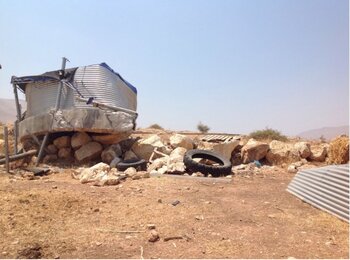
[(224, 167), (136, 163)]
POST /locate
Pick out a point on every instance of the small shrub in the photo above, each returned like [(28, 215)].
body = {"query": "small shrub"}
[(156, 126), (268, 134), (203, 128)]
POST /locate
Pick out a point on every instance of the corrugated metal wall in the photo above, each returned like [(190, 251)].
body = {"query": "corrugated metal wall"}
[(99, 82), (326, 188), (41, 97), (91, 81)]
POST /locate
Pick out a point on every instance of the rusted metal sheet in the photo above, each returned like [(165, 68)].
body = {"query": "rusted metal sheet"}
[(326, 188)]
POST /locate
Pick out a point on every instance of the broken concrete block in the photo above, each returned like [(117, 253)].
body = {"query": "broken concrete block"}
[(79, 139), (110, 153), (178, 140), (61, 142), (223, 149), (89, 151), (254, 150)]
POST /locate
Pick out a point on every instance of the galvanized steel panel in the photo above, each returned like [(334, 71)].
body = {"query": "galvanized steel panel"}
[(41, 97), (326, 188), (105, 86)]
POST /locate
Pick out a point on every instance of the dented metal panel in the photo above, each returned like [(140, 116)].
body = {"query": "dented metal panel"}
[(326, 188)]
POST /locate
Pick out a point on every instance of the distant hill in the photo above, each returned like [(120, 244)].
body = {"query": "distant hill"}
[(8, 110), (327, 132)]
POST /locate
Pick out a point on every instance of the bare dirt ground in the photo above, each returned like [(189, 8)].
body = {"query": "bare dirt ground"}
[(57, 217)]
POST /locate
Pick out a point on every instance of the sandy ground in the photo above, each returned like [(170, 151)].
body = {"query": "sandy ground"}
[(57, 217)]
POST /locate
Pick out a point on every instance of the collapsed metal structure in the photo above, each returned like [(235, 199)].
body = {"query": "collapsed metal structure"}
[(91, 98)]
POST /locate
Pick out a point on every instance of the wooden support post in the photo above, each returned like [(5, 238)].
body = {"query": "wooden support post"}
[(18, 106), (7, 160), (15, 130)]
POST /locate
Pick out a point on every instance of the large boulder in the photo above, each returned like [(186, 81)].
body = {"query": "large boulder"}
[(79, 139), (110, 153), (89, 151), (319, 153), (281, 152), (178, 140), (254, 150), (65, 153), (144, 148), (338, 152), (303, 148), (51, 149), (223, 149), (62, 142)]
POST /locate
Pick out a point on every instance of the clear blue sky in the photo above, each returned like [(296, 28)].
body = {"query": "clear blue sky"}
[(237, 66)]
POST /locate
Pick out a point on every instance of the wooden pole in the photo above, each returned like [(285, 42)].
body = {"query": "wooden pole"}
[(7, 160), (15, 130), (18, 106)]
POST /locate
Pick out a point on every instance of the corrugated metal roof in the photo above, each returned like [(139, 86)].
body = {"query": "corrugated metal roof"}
[(326, 188)]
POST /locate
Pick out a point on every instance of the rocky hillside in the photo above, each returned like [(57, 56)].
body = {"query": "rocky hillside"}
[(8, 110), (327, 132)]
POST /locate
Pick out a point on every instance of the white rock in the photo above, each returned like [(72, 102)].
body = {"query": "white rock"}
[(131, 171), (144, 148), (303, 149), (157, 164), (254, 150), (179, 140), (281, 152), (292, 168)]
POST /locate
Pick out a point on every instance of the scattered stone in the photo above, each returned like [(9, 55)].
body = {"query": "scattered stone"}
[(130, 172), (179, 140), (292, 168), (175, 162), (65, 153), (62, 142), (199, 217), (88, 152), (303, 149), (154, 236), (163, 170), (254, 151), (176, 202), (97, 210), (51, 149), (151, 226), (79, 139), (110, 153), (160, 201), (97, 172), (98, 243), (54, 187)]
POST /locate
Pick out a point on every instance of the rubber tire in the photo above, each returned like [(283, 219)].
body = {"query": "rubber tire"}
[(215, 170), (123, 165)]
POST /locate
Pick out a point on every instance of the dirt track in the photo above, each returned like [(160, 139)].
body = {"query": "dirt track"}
[(246, 218)]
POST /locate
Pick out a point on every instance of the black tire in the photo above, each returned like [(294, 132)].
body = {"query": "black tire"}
[(137, 164), (215, 170)]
